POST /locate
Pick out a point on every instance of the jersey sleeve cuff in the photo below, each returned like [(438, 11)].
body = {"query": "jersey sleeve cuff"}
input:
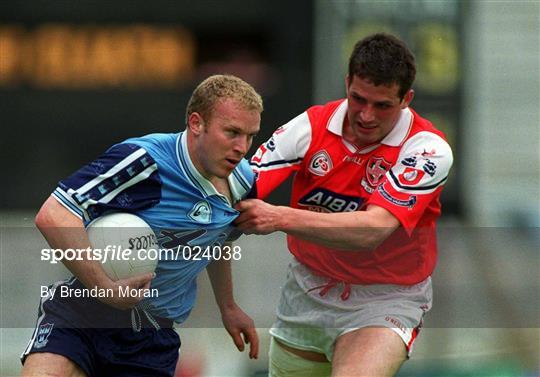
[(64, 199)]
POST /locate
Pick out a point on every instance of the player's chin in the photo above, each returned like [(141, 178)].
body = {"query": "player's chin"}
[(367, 138), (224, 172)]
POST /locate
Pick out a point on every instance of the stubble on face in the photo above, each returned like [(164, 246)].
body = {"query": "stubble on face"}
[(224, 140), (373, 111)]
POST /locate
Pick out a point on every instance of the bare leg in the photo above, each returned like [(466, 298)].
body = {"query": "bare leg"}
[(370, 351), (286, 361), (50, 365)]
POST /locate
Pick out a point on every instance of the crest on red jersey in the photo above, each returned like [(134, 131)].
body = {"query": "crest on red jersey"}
[(320, 164), (376, 168), (410, 176)]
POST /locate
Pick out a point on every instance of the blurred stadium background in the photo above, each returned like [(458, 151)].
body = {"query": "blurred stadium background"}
[(76, 77)]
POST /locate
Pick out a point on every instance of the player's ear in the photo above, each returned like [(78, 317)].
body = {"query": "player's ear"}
[(407, 99), (347, 82), (195, 123)]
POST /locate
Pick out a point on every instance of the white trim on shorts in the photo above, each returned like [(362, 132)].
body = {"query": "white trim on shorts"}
[(42, 313), (310, 321)]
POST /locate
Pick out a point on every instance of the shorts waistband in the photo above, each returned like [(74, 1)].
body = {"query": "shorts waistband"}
[(146, 320), (164, 322)]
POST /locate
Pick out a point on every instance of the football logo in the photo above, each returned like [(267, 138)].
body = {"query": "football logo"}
[(271, 144), (323, 200), (376, 169), (320, 164), (410, 176), (43, 335), (201, 212)]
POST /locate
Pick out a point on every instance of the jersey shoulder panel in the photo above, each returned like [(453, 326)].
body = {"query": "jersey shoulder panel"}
[(243, 180), (286, 147), (158, 145), (423, 163), (124, 178), (281, 155)]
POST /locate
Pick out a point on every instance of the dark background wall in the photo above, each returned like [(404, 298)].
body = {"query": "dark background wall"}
[(48, 131)]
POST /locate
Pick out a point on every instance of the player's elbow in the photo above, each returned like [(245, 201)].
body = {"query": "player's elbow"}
[(364, 241), (46, 216), (378, 225), (374, 239), (43, 219)]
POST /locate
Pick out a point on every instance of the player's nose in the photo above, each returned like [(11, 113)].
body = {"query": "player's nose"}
[(367, 115), (242, 145)]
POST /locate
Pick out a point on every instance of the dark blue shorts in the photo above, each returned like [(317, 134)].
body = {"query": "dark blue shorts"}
[(101, 340)]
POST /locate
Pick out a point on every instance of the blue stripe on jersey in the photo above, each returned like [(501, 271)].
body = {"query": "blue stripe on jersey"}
[(245, 184), (184, 165), (65, 199), (125, 178)]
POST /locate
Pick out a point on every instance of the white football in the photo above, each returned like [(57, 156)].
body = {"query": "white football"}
[(124, 243)]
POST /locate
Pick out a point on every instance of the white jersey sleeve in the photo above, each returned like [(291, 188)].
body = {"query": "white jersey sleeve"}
[(416, 179), (282, 154), (423, 164)]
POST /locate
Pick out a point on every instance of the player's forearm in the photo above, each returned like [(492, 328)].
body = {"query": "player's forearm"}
[(63, 230), (90, 273), (358, 231), (219, 272)]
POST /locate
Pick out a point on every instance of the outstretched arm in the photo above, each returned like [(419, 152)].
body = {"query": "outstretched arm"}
[(237, 323), (344, 230)]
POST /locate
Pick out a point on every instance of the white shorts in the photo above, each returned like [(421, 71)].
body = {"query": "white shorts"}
[(314, 311)]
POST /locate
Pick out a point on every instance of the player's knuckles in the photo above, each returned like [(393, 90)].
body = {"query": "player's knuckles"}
[(242, 206), (258, 221)]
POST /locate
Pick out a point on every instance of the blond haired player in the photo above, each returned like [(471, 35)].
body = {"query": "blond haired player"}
[(184, 185)]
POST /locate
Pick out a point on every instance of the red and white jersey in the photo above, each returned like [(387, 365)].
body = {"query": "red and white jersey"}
[(404, 173)]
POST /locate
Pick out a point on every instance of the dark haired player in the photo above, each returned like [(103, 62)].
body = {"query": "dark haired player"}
[(361, 227)]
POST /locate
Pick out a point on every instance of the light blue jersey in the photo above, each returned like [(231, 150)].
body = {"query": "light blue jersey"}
[(154, 178)]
